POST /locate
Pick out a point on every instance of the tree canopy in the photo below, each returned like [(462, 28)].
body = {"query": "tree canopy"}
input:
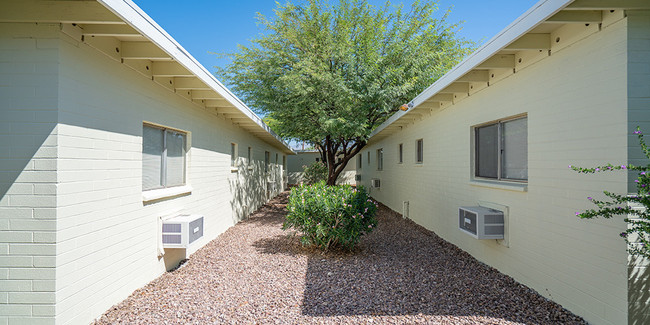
[(329, 74)]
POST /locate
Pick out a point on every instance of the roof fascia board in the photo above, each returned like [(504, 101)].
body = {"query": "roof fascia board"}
[(537, 14), (139, 20)]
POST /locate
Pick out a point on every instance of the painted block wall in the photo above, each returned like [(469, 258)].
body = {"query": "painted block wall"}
[(638, 115), (296, 162), (576, 106), (28, 138), (106, 235)]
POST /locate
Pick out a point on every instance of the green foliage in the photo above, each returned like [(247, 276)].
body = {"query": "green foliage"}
[(314, 173), (330, 217), (637, 235), (329, 74)]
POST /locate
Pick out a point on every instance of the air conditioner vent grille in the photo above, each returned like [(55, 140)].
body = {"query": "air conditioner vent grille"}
[(481, 222)]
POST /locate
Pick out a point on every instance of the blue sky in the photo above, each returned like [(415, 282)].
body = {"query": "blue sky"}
[(203, 26)]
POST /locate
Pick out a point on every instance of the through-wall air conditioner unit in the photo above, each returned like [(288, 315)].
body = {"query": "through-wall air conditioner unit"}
[(481, 222), (181, 231), (376, 183), (357, 178)]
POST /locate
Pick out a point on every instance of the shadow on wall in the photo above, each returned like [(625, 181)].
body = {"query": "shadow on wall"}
[(638, 291), (250, 188), (404, 269)]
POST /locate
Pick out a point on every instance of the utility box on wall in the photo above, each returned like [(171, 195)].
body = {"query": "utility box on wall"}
[(481, 222)]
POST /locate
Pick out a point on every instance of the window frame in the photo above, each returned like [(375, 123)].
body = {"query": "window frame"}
[(249, 155), (234, 154), (380, 159), (164, 158), (400, 153), (360, 161), (267, 161), (500, 150), (419, 151)]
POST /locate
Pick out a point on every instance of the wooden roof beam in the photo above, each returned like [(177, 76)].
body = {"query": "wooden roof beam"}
[(108, 30), (456, 87), (143, 50), (531, 42), (205, 94), (170, 69), (499, 61), (190, 83), (476, 76), (571, 16), (441, 98)]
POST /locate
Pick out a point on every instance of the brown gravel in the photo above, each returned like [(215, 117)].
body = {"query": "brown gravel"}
[(400, 274)]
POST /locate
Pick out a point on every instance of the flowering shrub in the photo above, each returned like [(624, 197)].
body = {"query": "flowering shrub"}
[(637, 235), (330, 216), (315, 173)]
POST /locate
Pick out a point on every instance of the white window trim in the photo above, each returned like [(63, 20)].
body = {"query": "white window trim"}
[(163, 193)]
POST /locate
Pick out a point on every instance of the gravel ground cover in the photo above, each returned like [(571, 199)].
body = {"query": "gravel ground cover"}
[(254, 273)]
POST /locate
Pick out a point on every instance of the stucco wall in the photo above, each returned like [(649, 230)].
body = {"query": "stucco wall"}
[(296, 162), (28, 137), (576, 103)]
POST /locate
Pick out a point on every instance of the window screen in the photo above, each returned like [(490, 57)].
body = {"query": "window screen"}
[(163, 158), (380, 159), (502, 150), (419, 149)]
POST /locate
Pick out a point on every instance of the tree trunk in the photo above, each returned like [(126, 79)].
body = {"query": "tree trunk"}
[(336, 168)]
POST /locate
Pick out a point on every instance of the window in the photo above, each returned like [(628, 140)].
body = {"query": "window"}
[(163, 157), (360, 161), (233, 155), (419, 151), (267, 160), (276, 158), (284, 162), (249, 155), (317, 159), (501, 150), (401, 153), (380, 159), (368, 154)]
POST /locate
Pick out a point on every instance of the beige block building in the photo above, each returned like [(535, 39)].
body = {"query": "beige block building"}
[(107, 128), (565, 84), (296, 163)]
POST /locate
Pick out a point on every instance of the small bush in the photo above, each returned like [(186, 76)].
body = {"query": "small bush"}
[(330, 216), (315, 173)]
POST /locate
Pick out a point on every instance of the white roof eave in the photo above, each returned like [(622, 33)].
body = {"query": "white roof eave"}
[(139, 20), (534, 16)]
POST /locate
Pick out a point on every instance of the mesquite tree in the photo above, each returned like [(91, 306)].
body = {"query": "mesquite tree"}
[(329, 74)]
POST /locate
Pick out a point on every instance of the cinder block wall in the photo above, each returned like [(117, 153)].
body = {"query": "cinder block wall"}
[(28, 138), (107, 235), (638, 115), (576, 102)]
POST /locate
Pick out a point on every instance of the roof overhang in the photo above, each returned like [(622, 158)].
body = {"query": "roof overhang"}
[(125, 33), (531, 32)]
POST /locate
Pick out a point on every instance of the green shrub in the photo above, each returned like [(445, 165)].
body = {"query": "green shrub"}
[(330, 217), (315, 173)]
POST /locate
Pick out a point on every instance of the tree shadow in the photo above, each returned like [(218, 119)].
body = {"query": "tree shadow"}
[(403, 269), (638, 290)]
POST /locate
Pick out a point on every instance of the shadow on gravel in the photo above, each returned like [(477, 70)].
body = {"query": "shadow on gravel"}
[(403, 269)]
